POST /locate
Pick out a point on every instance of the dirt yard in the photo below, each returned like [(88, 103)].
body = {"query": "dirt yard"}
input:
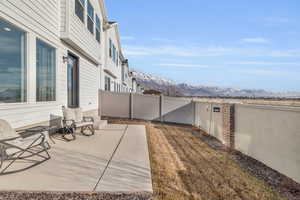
[(184, 167)]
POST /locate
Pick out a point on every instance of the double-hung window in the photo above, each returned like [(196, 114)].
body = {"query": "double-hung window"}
[(107, 83), (90, 17), (110, 48), (123, 72), (114, 53), (12, 64), (98, 28), (45, 72), (117, 58), (79, 9)]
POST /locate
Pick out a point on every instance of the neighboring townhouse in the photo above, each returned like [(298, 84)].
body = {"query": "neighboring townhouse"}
[(116, 76), (134, 85), (140, 89), (112, 68), (126, 77), (51, 55)]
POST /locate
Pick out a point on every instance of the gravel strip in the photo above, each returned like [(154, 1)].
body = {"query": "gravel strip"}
[(11, 195)]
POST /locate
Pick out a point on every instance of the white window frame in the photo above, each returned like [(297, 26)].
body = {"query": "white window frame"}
[(98, 28), (91, 17), (110, 48), (84, 9), (117, 58), (55, 68)]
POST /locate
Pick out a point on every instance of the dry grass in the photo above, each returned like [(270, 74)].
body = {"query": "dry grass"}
[(184, 167)]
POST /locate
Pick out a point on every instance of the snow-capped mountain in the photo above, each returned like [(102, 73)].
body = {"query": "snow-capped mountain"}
[(182, 89), (151, 78)]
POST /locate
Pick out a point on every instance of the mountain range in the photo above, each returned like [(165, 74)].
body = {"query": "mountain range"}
[(172, 88)]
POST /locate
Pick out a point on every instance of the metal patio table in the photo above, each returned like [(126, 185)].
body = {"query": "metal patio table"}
[(41, 129)]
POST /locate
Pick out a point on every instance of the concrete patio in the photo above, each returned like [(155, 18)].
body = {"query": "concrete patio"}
[(114, 160)]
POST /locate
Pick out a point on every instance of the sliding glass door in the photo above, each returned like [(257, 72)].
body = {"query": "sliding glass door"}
[(73, 81)]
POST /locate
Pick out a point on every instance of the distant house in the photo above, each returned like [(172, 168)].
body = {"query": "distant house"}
[(126, 77), (134, 84), (53, 54), (112, 65), (116, 70), (152, 92), (139, 89)]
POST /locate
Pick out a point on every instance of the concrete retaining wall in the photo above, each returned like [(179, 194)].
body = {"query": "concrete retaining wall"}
[(271, 135)]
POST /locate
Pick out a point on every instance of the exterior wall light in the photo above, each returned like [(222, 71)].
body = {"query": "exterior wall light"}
[(65, 59)]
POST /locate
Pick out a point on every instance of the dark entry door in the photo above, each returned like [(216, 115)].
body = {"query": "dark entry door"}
[(73, 81)]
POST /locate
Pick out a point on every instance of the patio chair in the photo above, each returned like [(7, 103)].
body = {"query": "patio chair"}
[(73, 119), (14, 147)]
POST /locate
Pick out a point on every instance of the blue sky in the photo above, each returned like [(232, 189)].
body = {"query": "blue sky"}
[(232, 43)]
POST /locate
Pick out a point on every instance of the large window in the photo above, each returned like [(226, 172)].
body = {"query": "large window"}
[(90, 17), (45, 72), (107, 83), (98, 28), (79, 9), (12, 64)]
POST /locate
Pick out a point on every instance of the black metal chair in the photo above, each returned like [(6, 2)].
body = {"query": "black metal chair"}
[(74, 119), (14, 147)]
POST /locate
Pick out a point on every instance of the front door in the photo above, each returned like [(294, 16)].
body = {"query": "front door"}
[(73, 81)]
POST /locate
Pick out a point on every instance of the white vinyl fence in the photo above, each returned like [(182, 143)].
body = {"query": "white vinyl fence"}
[(209, 118), (178, 110), (147, 107), (115, 104)]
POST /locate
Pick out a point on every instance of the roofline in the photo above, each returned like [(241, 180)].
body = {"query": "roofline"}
[(103, 8), (115, 25)]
